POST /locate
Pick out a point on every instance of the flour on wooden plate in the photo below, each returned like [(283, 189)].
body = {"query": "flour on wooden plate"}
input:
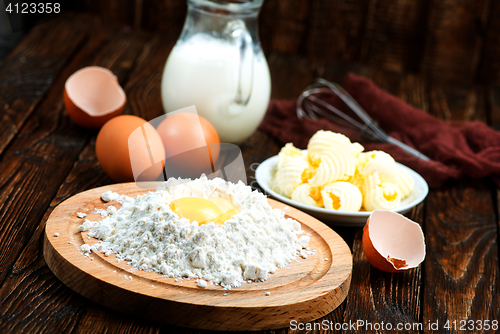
[(249, 246)]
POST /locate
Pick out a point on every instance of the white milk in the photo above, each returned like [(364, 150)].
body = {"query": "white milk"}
[(204, 71)]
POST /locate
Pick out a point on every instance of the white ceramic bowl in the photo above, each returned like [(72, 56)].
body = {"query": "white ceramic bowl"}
[(265, 173)]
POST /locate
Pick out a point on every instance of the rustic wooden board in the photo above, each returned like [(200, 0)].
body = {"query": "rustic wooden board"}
[(305, 290), (460, 219), (30, 70)]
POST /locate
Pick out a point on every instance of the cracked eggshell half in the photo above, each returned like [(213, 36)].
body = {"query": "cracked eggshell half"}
[(392, 242), (92, 96)]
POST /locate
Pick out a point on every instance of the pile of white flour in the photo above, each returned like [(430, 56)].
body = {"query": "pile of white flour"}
[(150, 236)]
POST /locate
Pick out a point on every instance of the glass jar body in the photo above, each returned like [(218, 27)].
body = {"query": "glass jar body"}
[(218, 65)]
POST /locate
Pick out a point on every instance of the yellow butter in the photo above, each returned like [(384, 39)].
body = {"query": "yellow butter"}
[(334, 165), (380, 195), (404, 182), (306, 194), (342, 196), (288, 151), (327, 140), (289, 175), (380, 162)]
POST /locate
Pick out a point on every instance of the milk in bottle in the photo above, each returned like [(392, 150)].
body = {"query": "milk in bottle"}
[(225, 75)]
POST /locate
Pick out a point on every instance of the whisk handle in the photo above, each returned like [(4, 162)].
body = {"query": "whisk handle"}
[(407, 148)]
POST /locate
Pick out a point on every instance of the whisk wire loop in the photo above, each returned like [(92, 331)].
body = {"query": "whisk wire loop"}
[(311, 106)]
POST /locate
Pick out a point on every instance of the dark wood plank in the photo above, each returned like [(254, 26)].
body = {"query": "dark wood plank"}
[(461, 270), (24, 309), (29, 70), (144, 87), (395, 35), (458, 102), (164, 16), (290, 75), (266, 25), (493, 97), (291, 21), (461, 276), (33, 168), (337, 71), (414, 91), (121, 12), (336, 30), (98, 319), (455, 39), (490, 64), (51, 305)]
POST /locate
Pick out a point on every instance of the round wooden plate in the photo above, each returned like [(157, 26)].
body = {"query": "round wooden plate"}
[(305, 290)]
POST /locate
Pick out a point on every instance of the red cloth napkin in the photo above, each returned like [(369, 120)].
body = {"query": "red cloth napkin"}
[(456, 148)]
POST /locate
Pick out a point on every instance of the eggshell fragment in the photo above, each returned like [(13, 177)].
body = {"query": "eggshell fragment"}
[(392, 242), (92, 96)]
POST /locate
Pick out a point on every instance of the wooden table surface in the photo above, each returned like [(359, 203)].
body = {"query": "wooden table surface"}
[(45, 158)]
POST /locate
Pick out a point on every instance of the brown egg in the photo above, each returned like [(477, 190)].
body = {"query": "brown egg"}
[(392, 242), (130, 149), (192, 145), (92, 96)]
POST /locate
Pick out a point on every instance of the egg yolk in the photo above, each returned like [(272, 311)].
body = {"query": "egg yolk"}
[(216, 210)]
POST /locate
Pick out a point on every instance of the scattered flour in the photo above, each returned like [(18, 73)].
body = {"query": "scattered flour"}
[(110, 196), (111, 210), (87, 225), (104, 213), (247, 247), (101, 212), (304, 240), (81, 215), (85, 249)]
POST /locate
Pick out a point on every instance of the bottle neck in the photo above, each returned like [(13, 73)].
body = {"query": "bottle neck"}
[(231, 10), (239, 8), (210, 17)]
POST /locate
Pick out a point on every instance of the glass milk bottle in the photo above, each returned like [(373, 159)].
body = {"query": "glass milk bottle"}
[(218, 65)]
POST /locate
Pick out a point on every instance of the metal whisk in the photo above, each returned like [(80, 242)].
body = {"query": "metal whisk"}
[(308, 105)]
